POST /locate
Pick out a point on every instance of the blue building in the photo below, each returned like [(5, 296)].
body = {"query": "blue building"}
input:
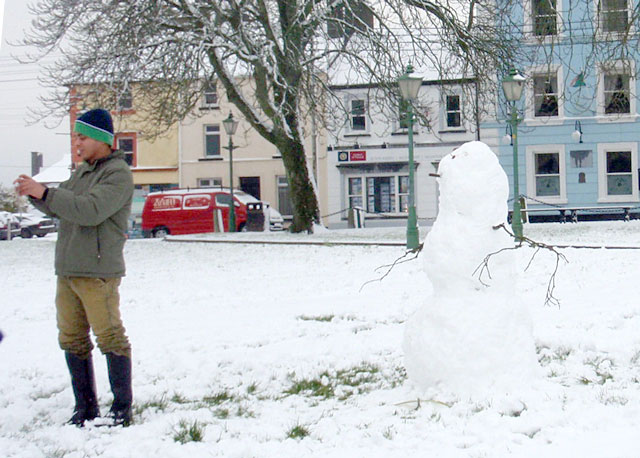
[(579, 130)]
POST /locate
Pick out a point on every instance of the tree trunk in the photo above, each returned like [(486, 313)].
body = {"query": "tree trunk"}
[(305, 202)]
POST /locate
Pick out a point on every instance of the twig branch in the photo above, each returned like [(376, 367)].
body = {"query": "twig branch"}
[(389, 267), (550, 299)]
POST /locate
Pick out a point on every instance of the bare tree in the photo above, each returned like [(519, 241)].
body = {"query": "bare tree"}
[(288, 50)]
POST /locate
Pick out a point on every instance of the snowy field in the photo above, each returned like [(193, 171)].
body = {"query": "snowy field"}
[(279, 351)]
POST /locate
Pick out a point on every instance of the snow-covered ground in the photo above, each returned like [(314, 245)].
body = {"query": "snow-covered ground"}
[(239, 346)]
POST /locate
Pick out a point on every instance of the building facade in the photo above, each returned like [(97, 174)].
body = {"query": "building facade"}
[(367, 153), (579, 133), (257, 165)]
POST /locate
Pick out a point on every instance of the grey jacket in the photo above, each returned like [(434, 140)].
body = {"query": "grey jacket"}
[(93, 207)]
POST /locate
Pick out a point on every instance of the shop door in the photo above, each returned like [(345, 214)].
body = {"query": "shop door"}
[(251, 185)]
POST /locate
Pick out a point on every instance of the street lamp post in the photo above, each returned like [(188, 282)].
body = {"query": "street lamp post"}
[(409, 87), (512, 86), (230, 126)]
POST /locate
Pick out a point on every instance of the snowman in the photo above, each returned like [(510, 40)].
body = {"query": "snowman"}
[(470, 339)]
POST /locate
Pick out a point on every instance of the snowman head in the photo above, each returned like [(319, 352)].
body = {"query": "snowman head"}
[(473, 185)]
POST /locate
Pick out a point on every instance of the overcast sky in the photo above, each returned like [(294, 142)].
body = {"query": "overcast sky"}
[(19, 89)]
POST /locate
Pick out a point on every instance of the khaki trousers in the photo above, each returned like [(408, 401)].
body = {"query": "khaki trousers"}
[(84, 303)]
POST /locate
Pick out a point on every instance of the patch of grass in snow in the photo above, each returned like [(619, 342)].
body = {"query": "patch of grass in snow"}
[(253, 388), (218, 398), (546, 355), (188, 432), (602, 368), (179, 399), (322, 318), (157, 404), (298, 432), (221, 413), (343, 383)]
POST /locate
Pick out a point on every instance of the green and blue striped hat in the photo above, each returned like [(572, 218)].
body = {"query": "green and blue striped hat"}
[(96, 124)]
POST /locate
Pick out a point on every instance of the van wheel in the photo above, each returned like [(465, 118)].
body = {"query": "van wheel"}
[(160, 232)]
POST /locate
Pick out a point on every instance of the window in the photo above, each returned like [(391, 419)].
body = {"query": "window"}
[(544, 16), (616, 93), (618, 172), (545, 95), (209, 182), (210, 96), (381, 195), (619, 176), (614, 15), (546, 178), (285, 207), (127, 144), (212, 140), (355, 192), (403, 193), (125, 100), (547, 174), (358, 115), (453, 111)]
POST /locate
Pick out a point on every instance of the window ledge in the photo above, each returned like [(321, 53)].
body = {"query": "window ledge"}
[(205, 159), (453, 131), (209, 107), (546, 121), (605, 118), (618, 200), (405, 132), (354, 134)]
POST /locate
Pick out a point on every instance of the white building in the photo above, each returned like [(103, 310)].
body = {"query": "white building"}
[(367, 158)]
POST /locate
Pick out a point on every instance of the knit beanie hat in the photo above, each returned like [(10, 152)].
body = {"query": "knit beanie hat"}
[(96, 124)]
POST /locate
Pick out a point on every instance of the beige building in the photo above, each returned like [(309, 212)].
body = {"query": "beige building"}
[(257, 165)]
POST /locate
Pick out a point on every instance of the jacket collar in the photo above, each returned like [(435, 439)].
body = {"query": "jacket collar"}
[(115, 154)]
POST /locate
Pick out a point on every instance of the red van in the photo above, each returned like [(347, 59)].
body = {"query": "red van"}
[(192, 211)]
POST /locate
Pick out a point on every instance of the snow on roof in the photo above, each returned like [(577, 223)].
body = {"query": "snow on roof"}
[(57, 173)]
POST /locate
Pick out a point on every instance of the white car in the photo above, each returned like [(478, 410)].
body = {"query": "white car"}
[(8, 218)]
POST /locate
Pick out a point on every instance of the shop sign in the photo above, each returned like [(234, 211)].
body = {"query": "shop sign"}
[(357, 155), (343, 156)]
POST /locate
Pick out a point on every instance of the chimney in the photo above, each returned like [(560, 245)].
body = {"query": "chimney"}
[(36, 162)]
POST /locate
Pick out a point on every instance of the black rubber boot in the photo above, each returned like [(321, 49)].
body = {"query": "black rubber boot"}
[(84, 389), (120, 379)]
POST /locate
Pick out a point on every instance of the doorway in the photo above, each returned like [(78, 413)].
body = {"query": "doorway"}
[(251, 185)]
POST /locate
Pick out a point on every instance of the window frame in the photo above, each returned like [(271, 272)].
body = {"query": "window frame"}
[(531, 174), (216, 182), (133, 136), (352, 116), (529, 22), (603, 149), (600, 21), (444, 110), (204, 137), (530, 109), (618, 68), (126, 95), (210, 87), (364, 195), (282, 183)]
